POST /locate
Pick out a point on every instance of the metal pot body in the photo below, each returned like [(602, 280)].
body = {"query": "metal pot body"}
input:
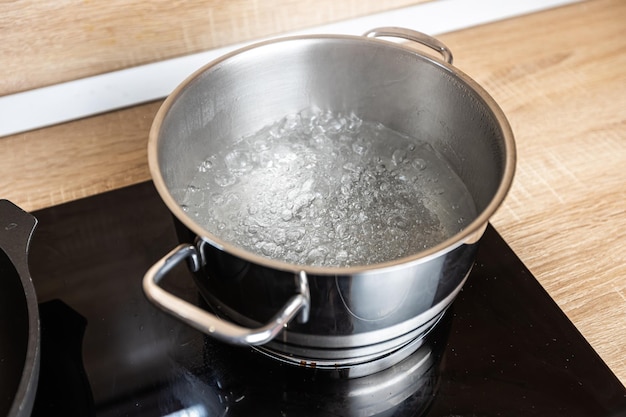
[(352, 314), (353, 319)]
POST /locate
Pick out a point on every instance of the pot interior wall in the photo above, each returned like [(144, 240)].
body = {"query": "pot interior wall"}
[(376, 80)]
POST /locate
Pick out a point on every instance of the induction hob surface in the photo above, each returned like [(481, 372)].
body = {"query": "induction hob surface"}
[(504, 348)]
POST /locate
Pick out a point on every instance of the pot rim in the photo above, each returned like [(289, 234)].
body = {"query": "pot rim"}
[(471, 234)]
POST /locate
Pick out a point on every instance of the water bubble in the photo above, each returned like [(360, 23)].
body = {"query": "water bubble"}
[(349, 178), (232, 199), (280, 236), (292, 257), (398, 156), (341, 230), (295, 234), (419, 164), (261, 145), (402, 177), (320, 138), (206, 165), (275, 132), (224, 180), (335, 125), (301, 245), (268, 248), (359, 148), (238, 161), (286, 215), (350, 166), (353, 123), (307, 185), (341, 257), (284, 156), (291, 122), (316, 256)]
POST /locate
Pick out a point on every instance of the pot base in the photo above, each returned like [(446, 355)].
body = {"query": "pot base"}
[(347, 356), (354, 367)]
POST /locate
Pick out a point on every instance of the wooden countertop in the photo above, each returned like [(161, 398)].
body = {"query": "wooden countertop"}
[(559, 76)]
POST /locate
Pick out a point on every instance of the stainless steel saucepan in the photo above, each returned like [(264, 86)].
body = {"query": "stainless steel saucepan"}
[(327, 317)]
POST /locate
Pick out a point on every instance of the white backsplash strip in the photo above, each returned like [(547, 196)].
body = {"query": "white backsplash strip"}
[(89, 96)]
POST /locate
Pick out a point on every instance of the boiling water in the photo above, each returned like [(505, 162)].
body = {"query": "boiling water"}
[(327, 189)]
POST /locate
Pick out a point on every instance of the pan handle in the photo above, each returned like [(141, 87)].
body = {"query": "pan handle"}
[(209, 323), (412, 35)]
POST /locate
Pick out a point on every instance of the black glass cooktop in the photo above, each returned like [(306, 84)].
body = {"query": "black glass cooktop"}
[(504, 348)]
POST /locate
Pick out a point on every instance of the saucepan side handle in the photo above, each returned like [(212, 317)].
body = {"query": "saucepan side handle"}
[(412, 35), (209, 323)]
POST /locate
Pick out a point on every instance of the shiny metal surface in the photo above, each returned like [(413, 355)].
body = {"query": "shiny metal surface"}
[(353, 319), (353, 307), (210, 324), (415, 36)]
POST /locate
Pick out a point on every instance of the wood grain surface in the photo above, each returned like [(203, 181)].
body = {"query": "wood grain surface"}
[(559, 76), (47, 42)]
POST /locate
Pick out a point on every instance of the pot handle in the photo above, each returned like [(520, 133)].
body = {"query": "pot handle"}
[(209, 323), (412, 35)]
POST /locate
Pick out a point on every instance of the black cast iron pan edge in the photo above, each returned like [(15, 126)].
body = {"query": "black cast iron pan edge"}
[(16, 230)]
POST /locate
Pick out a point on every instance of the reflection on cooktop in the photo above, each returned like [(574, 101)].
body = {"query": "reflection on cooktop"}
[(503, 348)]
